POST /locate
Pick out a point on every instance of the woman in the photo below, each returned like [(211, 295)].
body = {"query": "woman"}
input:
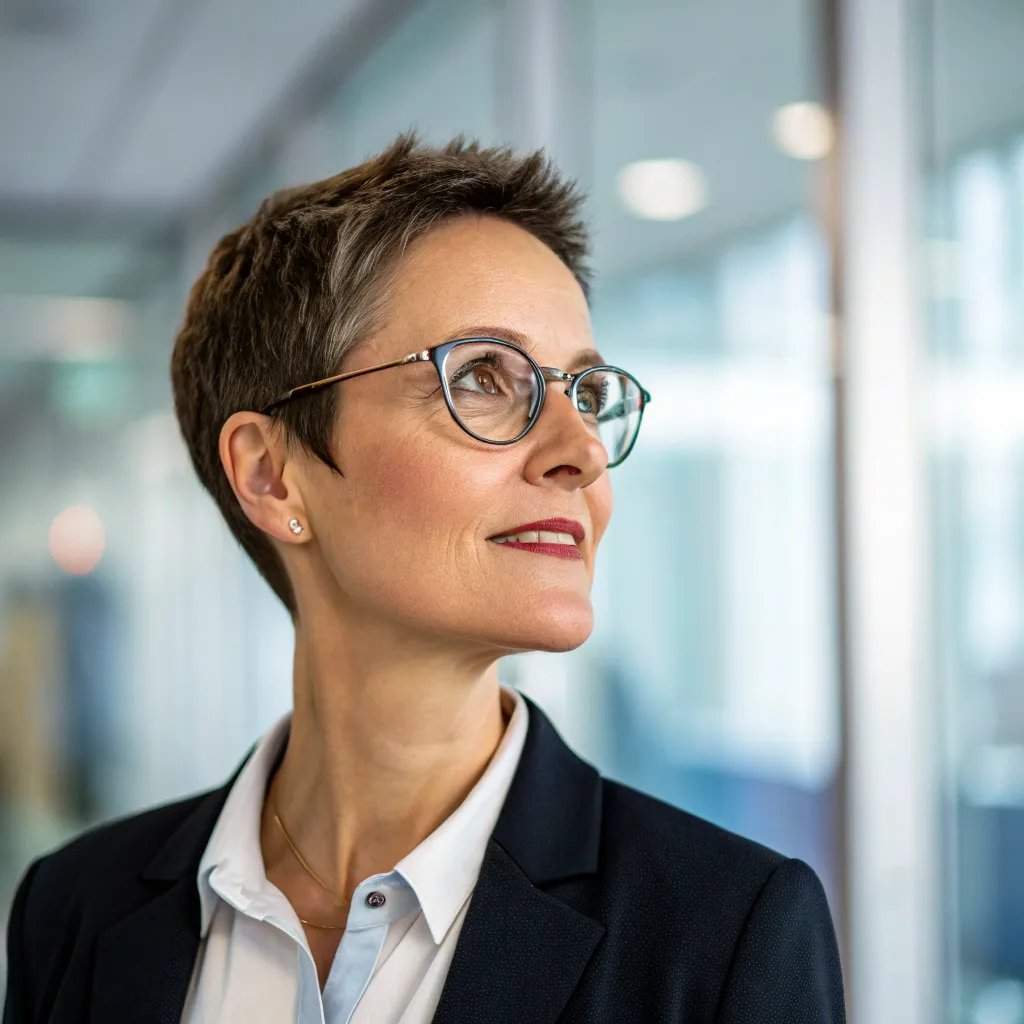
[(387, 382)]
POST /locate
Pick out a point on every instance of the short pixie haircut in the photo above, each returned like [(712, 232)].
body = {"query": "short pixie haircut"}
[(285, 297)]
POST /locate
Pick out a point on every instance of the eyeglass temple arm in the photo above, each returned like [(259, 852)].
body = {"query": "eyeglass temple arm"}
[(302, 389)]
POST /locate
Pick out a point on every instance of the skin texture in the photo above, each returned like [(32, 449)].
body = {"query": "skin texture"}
[(404, 604)]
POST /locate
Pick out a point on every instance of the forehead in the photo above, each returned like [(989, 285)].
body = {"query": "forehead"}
[(479, 269)]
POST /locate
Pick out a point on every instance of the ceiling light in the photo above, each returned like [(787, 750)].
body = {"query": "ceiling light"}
[(77, 540), (803, 130), (663, 189)]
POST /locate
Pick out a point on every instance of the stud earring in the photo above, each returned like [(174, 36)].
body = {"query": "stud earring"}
[(295, 526)]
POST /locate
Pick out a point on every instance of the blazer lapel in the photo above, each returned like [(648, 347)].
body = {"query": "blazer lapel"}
[(522, 951), (144, 960)]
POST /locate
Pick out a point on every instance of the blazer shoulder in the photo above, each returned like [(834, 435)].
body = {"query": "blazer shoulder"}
[(106, 857), (69, 896), (640, 828)]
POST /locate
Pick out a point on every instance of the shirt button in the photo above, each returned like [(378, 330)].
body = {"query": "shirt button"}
[(375, 899)]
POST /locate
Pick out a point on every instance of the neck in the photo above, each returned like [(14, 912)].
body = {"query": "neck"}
[(388, 736)]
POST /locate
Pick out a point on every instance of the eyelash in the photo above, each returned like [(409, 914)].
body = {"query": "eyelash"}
[(467, 368)]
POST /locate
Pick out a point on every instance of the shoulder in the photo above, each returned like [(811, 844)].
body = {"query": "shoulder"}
[(67, 897), (702, 874), (112, 858), (123, 844), (101, 868), (671, 840), (717, 915)]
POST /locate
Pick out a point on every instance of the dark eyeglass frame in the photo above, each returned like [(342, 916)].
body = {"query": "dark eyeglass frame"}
[(437, 356)]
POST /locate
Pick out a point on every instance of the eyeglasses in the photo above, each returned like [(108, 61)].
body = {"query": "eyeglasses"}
[(495, 393)]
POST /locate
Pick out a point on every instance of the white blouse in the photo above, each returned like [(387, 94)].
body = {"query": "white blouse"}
[(254, 963)]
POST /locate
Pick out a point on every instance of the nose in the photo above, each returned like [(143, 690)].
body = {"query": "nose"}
[(562, 450)]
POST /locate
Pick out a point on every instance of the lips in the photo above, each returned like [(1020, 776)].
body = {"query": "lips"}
[(557, 537), (569, 526)]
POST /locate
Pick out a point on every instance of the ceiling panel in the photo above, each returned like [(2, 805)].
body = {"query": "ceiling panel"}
[(977, 72), (222, 83), (659, 95), (57, 87), (139, 103)]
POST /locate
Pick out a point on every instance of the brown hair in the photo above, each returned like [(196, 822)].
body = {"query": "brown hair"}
[(286, 296)]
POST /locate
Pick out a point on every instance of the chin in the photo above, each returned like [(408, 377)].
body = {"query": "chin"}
[(550, 625)]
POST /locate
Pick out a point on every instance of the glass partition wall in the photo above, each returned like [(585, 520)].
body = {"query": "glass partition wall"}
[(713, 662), (973, 269)]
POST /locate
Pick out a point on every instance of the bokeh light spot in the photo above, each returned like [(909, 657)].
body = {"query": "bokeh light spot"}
[(77, 539), (663, 189)]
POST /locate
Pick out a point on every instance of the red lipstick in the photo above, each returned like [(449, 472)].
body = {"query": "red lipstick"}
[(569, 526)]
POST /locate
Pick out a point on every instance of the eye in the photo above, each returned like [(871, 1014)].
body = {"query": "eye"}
[(591, 398), (484, 379), (480, 375)]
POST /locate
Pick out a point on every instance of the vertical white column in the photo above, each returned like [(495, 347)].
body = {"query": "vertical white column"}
[(893, 827), (527, 64), (543, 66)]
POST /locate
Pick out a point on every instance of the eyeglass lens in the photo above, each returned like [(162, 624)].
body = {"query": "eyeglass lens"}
[(494, 392)]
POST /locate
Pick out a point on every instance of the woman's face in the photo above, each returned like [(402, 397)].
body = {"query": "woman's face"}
[(406, 532)]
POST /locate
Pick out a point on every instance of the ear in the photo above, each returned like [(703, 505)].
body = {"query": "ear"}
[(255, 458)]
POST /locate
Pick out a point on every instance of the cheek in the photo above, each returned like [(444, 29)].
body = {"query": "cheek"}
[(418, 501), (416, 488), (394, 467), (394, 531)]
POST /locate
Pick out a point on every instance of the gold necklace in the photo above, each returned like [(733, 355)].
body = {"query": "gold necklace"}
[(309, 871)]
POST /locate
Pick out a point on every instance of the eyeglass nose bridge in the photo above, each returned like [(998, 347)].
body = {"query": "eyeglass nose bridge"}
[(552, 373)]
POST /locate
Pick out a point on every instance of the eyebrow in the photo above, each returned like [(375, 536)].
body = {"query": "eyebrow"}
[(588, 357)]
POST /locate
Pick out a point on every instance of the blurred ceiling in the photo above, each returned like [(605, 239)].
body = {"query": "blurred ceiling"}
[(122, 114), (972, 55), (130, 108), (117, 116)]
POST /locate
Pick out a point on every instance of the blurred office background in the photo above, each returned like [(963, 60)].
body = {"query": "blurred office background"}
[(808, 223)]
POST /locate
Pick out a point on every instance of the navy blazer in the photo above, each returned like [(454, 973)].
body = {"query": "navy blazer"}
[(595, 903)]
